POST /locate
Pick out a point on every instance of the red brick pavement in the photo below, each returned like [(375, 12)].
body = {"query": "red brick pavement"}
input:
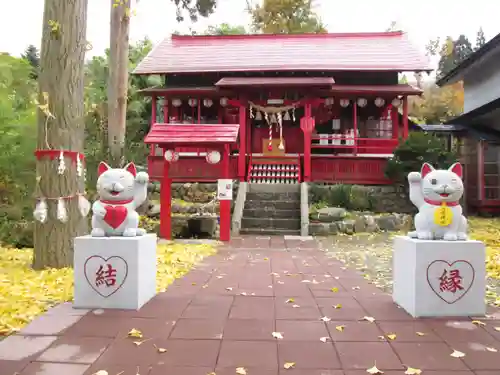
[(221, 316)]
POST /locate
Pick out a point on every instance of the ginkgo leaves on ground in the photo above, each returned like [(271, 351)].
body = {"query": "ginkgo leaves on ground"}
[(25, 293)]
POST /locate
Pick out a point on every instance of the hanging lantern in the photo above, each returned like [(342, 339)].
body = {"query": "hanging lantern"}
[(176, 102), (396, 102), (362, 102), (379, 102), (208, 103), (171, 156), (258, 116), (344, 103), (213, 157), (192, 102), (329, 101), (223, 102)]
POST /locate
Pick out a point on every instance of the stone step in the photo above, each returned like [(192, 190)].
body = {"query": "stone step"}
[(271, 222), (272, 204), (269, 231), (273, 188), (285, 196), (270, 212)]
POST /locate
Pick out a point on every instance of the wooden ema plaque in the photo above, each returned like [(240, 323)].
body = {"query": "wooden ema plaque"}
[(275, 151)]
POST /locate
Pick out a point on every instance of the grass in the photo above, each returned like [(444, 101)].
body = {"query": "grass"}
[(25, 293)]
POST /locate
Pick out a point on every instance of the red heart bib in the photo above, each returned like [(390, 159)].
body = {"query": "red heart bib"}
[(115, 215)]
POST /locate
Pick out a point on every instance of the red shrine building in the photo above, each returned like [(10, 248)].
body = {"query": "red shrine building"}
[(279, 108)]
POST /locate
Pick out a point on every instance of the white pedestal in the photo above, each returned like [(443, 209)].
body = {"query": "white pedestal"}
[(114, 272), (439, 278)]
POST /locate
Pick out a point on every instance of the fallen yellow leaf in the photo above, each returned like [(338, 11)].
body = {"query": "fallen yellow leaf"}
[(368, 319), (212, 373), (493, 350), (160, 350), (229, 288), (337, 306), (290, 300), (374, 370), (135, 333), (289, 365), (193, 283), (325, 319), (334, 290), (340, 328), (277, 335), (413, 371), (100, 372), (266, 258), (324, 339), (391, 336), (420, 333), (241, 371), (356, 288), (137, 343), (478, 323), (496, 328), (457, 354)]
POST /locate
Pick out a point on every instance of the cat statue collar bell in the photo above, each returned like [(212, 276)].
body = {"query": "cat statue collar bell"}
[(121, 191), (436, 193)]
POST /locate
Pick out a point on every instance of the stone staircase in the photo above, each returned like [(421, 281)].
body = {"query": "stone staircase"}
[(271, 209)]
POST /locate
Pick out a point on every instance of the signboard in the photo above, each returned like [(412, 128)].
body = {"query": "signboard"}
[(225, 189)]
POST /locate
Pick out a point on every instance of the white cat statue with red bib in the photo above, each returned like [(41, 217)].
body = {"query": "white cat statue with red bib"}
[(121, 191), (436, 193)]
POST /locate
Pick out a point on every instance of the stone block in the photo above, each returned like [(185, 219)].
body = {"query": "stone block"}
[(439, 278), (114, 272)]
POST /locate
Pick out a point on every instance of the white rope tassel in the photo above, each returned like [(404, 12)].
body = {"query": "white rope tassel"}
[(287, 116), (280, 125), (83, 205), (293, 114), (62, 214), (258, 116), (79, 167), (40, 212), (270, 144), (251, 111), (62, 165)]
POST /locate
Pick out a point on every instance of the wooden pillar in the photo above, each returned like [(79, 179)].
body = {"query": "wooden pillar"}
[(153, 121), (166, 202), (307, 125), (395, 122), (242, 146), (405, 117), (225, 205), (480, 171)]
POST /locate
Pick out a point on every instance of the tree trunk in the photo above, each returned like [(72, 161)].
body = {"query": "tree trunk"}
[(118, 80), (61, 78)]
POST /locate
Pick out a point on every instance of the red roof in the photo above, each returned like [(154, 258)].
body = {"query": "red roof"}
[(275, 81), (403, 89), (192, 133), (387, 51)]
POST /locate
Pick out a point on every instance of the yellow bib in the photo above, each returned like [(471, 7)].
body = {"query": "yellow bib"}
[(443, 216)]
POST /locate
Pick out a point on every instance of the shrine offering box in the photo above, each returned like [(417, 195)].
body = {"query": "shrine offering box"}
[(114, 272), (439, 278)]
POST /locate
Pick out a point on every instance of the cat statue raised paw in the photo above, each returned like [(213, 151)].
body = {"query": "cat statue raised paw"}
[(436, 193), (121, 191)]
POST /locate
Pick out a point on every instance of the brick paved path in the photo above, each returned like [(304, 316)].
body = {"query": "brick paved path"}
[(221, 316)]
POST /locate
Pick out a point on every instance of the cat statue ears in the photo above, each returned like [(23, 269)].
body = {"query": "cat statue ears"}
[(103, 167), (455, 168)]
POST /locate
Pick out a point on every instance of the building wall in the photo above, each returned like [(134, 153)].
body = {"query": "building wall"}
[(482, 84)]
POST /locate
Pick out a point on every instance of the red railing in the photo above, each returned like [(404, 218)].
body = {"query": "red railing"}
[(357, 145), (190, 169), (349, 170)]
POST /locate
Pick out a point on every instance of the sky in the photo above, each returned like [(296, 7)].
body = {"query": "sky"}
[(21, 21)]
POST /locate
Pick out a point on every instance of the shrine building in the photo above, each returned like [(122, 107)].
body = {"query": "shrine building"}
[(310, 107)]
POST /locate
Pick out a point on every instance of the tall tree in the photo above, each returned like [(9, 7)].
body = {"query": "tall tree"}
[(480, 39), (453, 52), (60, 127), (118, 67), (285, 17), (32, 55), (225, 29)]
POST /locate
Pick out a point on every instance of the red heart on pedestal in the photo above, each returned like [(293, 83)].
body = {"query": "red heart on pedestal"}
[(115, 215), (450, 281)]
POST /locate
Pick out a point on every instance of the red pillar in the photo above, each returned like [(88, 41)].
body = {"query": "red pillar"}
[(355, 126), (153, 121), (307, 125), (166, 203), (225, 205), (242, 146), (405, 117)]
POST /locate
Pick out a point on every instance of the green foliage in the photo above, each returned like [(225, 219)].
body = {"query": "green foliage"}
[(225, 29), (453, 52), (32, 55), (480, 39), (285, 17), (350, 197), (418, 148), (194, 8)]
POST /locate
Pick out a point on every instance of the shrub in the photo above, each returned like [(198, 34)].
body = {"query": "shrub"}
[(418, 148), (350, 197)]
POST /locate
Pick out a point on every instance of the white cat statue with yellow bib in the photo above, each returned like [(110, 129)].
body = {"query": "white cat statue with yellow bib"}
[(436, 193)]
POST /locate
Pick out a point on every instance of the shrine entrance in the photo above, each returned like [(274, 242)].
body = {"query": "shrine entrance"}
[(215, 140)]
